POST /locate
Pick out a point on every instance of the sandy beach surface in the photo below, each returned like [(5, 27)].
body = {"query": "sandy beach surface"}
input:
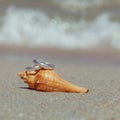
[(101, 103)]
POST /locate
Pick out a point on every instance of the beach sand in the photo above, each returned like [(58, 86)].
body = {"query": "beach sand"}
[(101, 103)]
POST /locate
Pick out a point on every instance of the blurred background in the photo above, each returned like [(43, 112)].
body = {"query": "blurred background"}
[(81, 29)]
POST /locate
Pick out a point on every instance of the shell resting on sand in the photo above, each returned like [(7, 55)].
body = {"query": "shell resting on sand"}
[(42, 77)]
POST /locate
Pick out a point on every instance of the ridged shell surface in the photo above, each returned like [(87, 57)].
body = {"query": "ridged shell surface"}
[(48, 80)]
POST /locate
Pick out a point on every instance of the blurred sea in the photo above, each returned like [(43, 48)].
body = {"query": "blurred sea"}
[(64, 24)]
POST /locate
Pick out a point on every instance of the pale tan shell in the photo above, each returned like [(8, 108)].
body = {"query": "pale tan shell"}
[(48, 80)]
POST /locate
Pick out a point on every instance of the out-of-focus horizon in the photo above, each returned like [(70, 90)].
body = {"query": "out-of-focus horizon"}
[(69, 24), (60, 24)]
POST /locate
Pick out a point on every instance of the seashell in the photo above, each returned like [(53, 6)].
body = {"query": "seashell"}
[(47, 80)]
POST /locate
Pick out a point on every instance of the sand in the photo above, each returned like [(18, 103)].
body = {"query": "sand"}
[(101, 103)]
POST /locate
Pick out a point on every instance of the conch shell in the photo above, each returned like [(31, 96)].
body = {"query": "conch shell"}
[(42, 77)]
